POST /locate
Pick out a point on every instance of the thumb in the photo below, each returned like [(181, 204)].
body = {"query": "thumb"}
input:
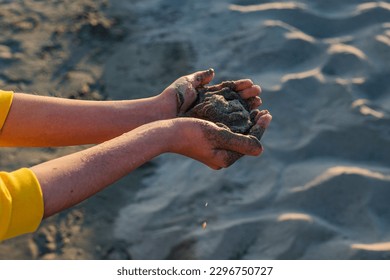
[(202, 78)]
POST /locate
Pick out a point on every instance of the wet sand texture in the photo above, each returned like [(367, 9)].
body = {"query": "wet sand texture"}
[(225, 107)]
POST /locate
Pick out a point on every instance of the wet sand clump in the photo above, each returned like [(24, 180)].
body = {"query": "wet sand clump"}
[(226, 108)]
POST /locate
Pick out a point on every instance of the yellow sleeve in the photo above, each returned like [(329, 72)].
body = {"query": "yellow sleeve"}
[(5, 105), (21, 203)]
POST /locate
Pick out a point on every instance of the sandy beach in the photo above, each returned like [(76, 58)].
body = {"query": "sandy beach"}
[(320, 190)]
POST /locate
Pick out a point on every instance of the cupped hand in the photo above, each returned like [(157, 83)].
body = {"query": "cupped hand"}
[(216, 146), (184, 91)]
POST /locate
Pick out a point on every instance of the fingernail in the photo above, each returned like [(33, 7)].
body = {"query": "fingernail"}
[(210, 71)]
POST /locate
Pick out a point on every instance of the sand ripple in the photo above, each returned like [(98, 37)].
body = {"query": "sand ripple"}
[(321, 188)]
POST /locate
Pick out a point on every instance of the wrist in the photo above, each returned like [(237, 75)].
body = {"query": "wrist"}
[(181, 135), (158, 137), (171, 135), (167, 104)]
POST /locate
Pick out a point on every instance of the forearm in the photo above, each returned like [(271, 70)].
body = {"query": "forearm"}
[(46, 121), (71, 179)]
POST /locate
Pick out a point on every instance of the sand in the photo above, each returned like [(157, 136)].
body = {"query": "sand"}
[(321, 188), (226, 108)]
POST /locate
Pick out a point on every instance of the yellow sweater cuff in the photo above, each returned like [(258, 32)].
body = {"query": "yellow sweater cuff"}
[(21, 210), (5, 105)]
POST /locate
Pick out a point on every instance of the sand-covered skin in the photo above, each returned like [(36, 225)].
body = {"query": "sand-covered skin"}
[(224, 106), (320, 190)]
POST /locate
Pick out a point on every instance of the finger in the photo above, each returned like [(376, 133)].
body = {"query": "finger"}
[(254, 102), (243, 84), (233, 85), (242, 144), (227, 84), (202, 78), (252, 91), (256, 114), (257, 131), (263, 120), (262, 113)]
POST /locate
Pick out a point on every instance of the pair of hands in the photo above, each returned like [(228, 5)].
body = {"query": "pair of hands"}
[(202, 140), (68, 180)]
